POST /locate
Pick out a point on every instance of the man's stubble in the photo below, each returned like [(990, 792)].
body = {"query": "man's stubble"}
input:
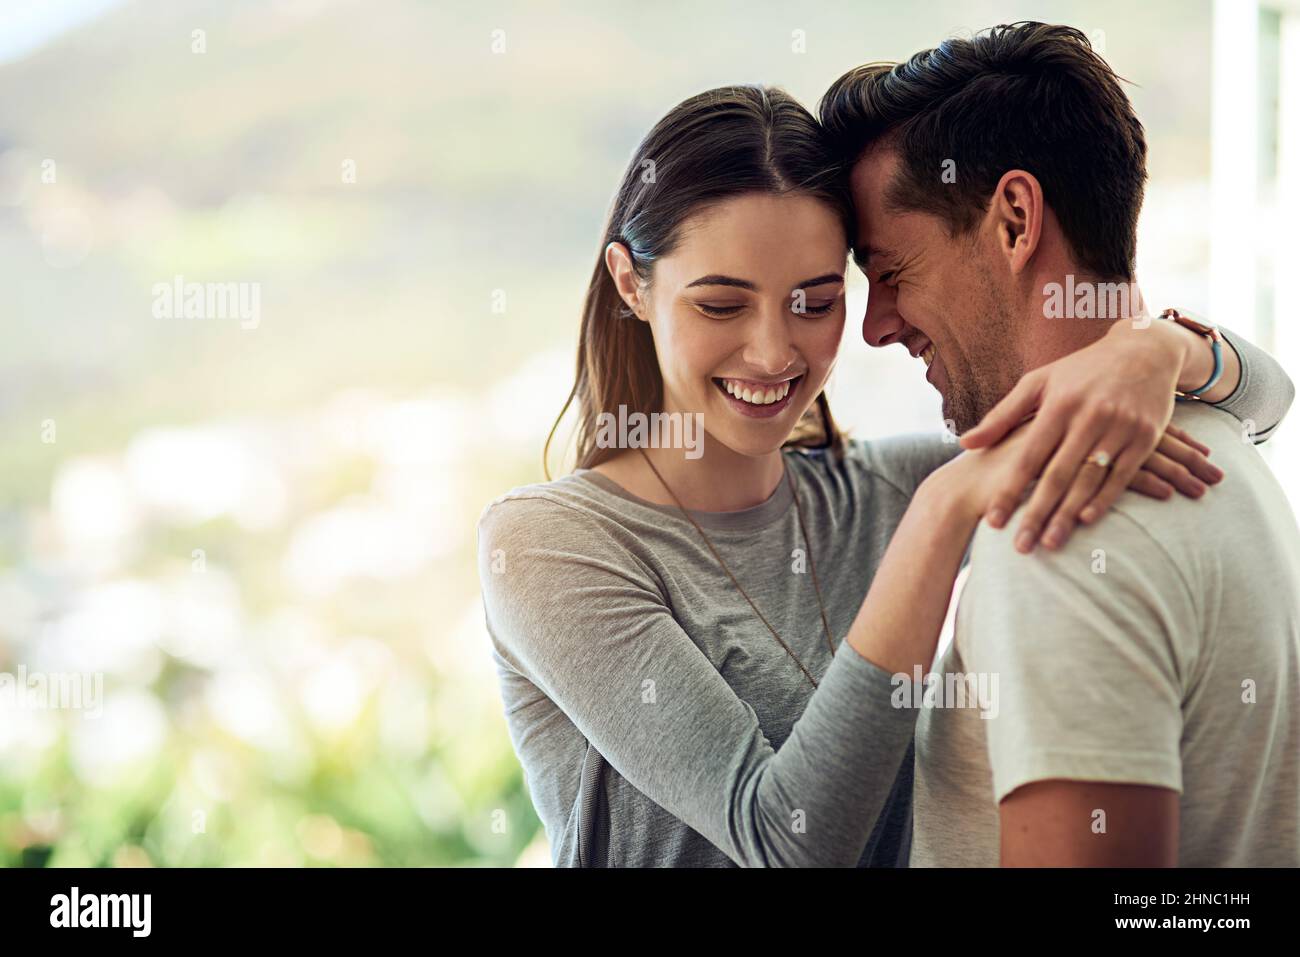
[(992, 362)]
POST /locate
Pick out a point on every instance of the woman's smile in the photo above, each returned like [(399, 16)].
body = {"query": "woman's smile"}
[(758, 399)]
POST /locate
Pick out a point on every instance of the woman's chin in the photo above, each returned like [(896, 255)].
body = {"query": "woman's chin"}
[(755, 439), (748, 447)]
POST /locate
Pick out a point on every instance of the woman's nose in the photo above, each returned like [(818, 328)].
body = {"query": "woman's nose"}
[(770, 350)]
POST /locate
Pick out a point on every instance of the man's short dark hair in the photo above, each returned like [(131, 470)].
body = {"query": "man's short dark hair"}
[(1029, 96)]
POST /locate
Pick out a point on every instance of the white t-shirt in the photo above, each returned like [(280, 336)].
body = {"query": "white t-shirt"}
[(1160, 647)]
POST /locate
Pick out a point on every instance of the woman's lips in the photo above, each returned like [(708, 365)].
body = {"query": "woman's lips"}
[(753, 410)]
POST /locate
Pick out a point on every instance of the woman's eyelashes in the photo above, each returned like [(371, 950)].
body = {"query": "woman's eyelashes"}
[(719, 310), (816, 308), (798, 305)]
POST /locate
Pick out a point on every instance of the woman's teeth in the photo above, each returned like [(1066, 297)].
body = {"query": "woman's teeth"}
[(927, 354), (756, 394)]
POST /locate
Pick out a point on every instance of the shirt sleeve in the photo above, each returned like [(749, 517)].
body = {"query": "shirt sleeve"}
[(1263, 395), (1088, 647), (582, 619), (904, 461)]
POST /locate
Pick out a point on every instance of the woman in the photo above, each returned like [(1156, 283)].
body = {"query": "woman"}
[(694, 670)]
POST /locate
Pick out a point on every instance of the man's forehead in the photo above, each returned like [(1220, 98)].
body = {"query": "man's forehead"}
[(866, 254), (871, 173), (867, 181)]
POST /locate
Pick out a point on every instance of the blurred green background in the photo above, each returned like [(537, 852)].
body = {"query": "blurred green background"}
[(263, 538)]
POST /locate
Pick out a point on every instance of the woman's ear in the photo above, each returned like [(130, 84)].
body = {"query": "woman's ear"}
[(618, 260)]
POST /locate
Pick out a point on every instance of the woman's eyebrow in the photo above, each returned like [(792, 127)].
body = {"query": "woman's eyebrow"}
[(821, 281), (716, 280)]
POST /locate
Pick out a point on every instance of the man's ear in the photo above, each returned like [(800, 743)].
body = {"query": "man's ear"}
[(618, 260), (1017, 212)]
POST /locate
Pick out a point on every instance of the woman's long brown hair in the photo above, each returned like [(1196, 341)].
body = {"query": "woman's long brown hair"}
[(711, 147)]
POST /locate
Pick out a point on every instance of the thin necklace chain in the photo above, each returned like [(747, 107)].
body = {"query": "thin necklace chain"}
[(803, 530)]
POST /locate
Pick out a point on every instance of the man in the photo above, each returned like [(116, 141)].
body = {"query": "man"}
[(1148, 672)]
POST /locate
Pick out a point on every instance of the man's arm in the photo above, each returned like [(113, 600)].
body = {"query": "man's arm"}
[(1090, 646), (1089, 824)]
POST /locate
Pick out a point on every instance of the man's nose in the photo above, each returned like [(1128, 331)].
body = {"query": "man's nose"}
[(882, 324)]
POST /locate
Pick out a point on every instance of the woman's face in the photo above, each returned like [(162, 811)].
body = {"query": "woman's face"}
[(747, 314)]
